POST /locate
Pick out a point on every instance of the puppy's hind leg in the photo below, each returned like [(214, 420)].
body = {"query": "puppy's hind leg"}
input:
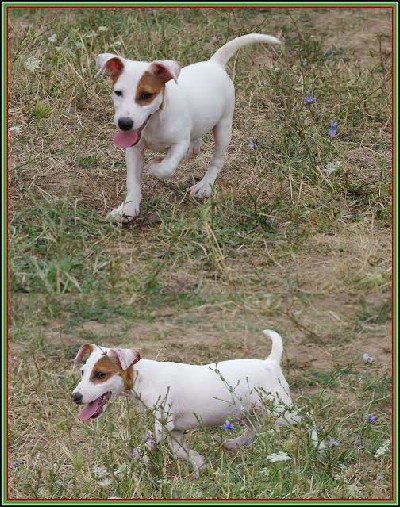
[(194, 148), (222, 136), (246, 438)]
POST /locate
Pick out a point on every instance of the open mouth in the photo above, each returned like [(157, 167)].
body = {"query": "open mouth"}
[(94, 408), (127, 139)]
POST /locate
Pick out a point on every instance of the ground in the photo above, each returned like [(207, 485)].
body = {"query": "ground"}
[(296, 237)]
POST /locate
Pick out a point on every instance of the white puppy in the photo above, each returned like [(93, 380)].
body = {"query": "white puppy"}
[(165, 108), (185, 396)]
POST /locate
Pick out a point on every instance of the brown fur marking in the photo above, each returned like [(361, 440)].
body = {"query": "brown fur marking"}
[(82, 352), (149, 83), (114, 67), (109, 367)]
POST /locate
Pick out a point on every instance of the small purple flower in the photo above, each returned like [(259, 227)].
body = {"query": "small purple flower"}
[(150, 443), (135, 453), (379, 478), (332, 129), (372, 418), (227, 425), (15, 463), (269, 222), (367, 359), (215, 39), (252, 144), (358, 442), (333, 442), (309, 99), (303, 62)]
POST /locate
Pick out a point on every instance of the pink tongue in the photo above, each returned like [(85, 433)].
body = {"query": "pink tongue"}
[(90, 409), (126, 139)]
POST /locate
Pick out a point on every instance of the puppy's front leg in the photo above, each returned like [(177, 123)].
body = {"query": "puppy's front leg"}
[(166, 168), (129, 209), (182, 451)]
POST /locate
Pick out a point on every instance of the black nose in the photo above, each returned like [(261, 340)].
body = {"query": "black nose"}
[(77, 397), (125, 123)]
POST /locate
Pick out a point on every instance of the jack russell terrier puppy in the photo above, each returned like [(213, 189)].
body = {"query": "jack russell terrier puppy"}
[(165, 108), (186, 396)]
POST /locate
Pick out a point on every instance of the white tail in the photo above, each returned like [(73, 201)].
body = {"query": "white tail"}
[(223, 54), (277, 349)]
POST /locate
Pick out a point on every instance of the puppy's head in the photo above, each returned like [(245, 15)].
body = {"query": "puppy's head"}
[(107, 372), (138, 92)]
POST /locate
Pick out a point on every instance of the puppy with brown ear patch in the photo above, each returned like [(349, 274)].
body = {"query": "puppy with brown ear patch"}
[(186, 396), (165, 108)]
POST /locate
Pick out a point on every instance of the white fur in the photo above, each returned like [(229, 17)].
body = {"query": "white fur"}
[(201, 99), (185, 396)]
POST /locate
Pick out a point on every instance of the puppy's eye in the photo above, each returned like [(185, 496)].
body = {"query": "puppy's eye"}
[(118, 93), (146, 95), (100, 374)]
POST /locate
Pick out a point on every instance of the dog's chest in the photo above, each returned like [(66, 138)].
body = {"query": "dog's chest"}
[(158, 145)]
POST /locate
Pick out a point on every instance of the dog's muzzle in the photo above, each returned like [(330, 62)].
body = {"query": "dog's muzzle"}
[(77, 398), (125, 123)]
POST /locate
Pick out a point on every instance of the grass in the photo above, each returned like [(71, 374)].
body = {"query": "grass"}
[(296, 237)]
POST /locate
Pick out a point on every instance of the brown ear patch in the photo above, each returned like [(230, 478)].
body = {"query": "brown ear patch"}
[(127, 377), (149, 86), (82, 352), (107, 367), (114, 67)]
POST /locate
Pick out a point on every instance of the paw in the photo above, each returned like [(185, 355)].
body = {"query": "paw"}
[(201, 189), (199, 465), (161, 169), (233, 444), (194, 148), (124, 214), (230, 445)]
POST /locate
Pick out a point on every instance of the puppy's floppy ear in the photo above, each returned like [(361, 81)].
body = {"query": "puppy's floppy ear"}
[(82, 352), (125, 357), (108, 61), (165, 69)]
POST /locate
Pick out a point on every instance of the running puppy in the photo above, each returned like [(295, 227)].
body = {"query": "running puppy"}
[(165, 108), (185, 396)]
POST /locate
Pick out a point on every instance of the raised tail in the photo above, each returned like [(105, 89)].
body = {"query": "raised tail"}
[(223, 55), (277, 349)]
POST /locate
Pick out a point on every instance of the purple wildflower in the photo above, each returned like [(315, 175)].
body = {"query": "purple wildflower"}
[(379, 478), (303, 62), (333, 442), (269, 222), (309, 99), (215, 39), (135, 453), (367, 359), (332, 129), (372, 418), (150, 443), (358, 442), (15, 463), (252, 144), (227, 425)]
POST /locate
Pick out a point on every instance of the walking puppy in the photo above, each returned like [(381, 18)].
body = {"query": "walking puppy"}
[(165, 108), (185, 396)]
